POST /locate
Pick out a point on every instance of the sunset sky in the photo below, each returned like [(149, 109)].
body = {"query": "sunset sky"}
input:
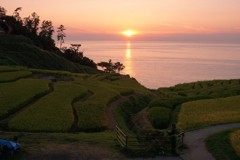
[(150, 19)]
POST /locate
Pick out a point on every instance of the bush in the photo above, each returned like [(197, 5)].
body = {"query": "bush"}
[(159, 117)]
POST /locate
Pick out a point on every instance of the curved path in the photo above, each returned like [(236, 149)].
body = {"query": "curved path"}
[(112, 122), (195, 140)]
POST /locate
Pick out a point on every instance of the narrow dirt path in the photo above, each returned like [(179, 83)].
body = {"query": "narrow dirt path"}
[(195, 140), (112, 106)]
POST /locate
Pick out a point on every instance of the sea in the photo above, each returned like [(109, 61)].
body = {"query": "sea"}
[(163, 64)]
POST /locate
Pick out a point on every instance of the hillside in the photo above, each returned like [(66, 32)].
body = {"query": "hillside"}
[(20, 51)]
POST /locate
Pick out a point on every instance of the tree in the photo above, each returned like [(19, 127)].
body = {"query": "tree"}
[(73, 54), (2, 12), (46, 29), (45, 35), (16, 14), (76, 47), (61, 35), (118, 67), (109, 67), (32, 22)]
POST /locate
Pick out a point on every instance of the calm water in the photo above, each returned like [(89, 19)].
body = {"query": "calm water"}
[(161, 64)]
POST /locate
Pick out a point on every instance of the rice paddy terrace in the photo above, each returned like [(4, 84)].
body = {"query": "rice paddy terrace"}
[(50, 107), (48, 101)]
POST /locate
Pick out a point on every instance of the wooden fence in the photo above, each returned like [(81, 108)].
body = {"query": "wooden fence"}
[(146, 142), (122, 138)]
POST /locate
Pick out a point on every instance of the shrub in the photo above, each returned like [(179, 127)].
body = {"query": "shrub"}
[(159, 117)]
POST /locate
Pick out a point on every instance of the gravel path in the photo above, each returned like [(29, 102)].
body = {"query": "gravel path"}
[(195, 140)]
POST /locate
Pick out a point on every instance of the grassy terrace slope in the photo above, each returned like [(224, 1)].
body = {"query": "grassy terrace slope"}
[(19, 50), (201, 113), (51, 113), (235, 141), (14, 75), (15, 95)]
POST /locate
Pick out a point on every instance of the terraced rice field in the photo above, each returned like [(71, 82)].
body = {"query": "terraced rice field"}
[(14, 75), (52, 112), (202, 113), (210, 89), (15, 95), (91, 113)]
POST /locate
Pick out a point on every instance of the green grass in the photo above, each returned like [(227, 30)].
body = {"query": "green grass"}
[(16, 95), (131, 84), (219, 146), (92, 112), (159, 117), (235, 141), (12, 76), (52, 112), (33, 143), (121, 83), (204, 113)]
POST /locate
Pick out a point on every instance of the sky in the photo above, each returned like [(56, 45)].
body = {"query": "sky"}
[(183, 20)]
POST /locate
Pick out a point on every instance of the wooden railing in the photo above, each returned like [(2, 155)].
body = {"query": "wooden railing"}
[(122, 138), (145, 142)]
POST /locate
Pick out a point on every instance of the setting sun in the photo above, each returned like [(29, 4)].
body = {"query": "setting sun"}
[(129, 33)]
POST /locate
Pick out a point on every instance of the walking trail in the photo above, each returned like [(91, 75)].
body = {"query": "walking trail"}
[(195, 140)]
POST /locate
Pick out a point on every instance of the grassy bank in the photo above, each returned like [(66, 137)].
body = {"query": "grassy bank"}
[(220, 147)]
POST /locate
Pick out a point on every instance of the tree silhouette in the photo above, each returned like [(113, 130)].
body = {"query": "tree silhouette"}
[(46, 29), (118, 67), (76, 47), (109, 67), (45, 35), (2, 12), (16, 14), (73, 54), (32, 22), (61, 35)]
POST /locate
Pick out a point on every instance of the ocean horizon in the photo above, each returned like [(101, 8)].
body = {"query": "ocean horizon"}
[(163, 64)]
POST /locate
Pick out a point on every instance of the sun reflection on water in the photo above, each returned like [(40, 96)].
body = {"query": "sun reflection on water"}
[(128, 60)]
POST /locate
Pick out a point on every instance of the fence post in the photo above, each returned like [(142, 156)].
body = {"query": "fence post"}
[(126, 142)]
